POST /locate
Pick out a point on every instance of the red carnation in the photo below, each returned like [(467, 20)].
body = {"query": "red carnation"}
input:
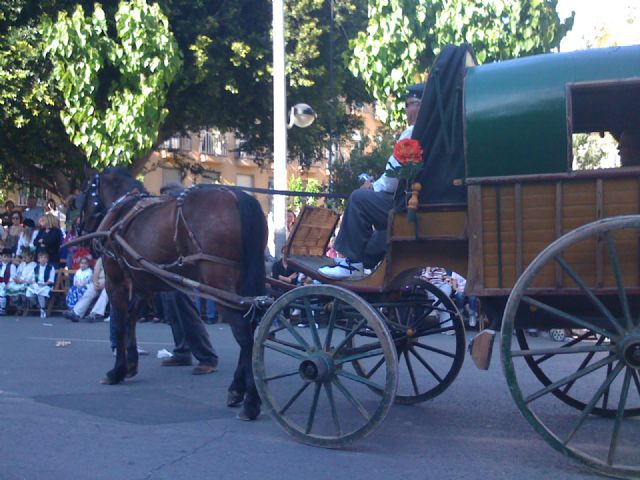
[(408, 151)]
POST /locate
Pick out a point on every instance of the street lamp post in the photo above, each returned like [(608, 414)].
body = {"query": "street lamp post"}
[(302, 115), (279, 126)]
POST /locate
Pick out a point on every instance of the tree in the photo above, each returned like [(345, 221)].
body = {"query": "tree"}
[(297, 184), (369, 157), (121, 125), (225, 80), (403, 37)]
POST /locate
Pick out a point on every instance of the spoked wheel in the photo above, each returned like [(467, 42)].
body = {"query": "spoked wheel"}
[(428, 332), (597, 374), (537, 364), (302, 362)]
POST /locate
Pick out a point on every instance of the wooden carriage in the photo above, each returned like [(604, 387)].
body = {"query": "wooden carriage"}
[(543, 247)]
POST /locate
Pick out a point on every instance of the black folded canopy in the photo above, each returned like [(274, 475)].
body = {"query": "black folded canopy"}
[(439, 128)]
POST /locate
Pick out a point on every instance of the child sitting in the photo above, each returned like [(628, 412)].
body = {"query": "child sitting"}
[(81, 281), (24, 276), (7, 273), (44, 275)]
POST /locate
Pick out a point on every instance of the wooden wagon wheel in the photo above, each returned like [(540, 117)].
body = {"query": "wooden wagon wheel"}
[(428, 361), (594, 379), (304, 374)]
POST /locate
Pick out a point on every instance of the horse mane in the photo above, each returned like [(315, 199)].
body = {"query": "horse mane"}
[(122, 180)]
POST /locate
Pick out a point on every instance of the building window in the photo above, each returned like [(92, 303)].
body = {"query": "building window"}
[(210, 176), (177, 142), (213, 142), (244, 180)]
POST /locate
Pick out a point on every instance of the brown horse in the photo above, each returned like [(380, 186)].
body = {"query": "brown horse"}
[(206, 233)]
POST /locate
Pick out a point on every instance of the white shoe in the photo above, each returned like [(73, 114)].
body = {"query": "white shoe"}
[(43, 313), (473, 320), (341, 270)]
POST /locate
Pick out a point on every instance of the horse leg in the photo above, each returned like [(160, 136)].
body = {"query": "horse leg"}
[(243, 381), (132, 342), (118, 298)]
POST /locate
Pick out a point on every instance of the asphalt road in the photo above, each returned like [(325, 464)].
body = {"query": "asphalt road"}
[(59, 422)]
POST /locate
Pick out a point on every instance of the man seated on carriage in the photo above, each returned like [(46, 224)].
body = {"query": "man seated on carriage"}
[(369, 206)]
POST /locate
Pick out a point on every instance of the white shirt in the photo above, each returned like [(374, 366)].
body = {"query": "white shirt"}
[(389, 184)]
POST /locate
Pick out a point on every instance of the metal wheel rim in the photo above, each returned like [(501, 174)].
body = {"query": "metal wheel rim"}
[(373, 322), (582, 233)]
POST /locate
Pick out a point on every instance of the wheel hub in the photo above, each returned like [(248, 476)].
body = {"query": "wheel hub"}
[(629, 350), (318, 367)]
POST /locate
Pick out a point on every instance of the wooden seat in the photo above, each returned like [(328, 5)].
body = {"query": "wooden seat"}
[(439, 238), (58, 295)]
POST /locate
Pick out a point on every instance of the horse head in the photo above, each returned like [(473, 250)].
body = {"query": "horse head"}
[(102, 191)]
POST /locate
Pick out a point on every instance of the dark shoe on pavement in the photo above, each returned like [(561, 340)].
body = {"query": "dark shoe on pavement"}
[(71, 315), (204, 369), (176, 362)]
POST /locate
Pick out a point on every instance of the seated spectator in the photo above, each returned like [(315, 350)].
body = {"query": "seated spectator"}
[(24, 276), (7, 274), (44, 278), (281, 271), (439, 277), (9, 207), (81, 280), (12, 233), (94, 289), (458, 284), (27, 236)]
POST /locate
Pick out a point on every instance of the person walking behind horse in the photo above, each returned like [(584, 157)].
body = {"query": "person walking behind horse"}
[(190, 336), (32, 211), (44, 277), (368, 207)]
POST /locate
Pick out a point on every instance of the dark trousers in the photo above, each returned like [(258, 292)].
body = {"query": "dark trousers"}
[(189, 333), (365, 211)]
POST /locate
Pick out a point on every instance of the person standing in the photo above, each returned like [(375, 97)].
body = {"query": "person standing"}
[(32, 211), (12, 232), (49, 238), (28, 235), (189, 334), (368, 207)]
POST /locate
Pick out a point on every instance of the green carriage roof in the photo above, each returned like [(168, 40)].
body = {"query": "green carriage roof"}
[(519, 114)]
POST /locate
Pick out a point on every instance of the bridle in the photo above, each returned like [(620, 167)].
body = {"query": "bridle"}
[(92, 194)]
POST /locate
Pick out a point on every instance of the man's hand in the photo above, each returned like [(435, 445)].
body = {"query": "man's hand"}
[(368, 185)]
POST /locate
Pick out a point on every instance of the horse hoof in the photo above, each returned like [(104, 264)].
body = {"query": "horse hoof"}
[(242, 415), (107, 380), (132, 372), (234, 398)]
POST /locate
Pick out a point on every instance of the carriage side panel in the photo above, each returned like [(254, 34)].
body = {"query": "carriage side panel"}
[(520, 216)]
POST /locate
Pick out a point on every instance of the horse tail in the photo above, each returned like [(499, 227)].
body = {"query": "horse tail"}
[(254, 241)]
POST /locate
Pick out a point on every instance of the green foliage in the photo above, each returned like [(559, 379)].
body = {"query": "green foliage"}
[(145, 61), (371, 157), (591, 151), (297, 184), (403, 37)]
